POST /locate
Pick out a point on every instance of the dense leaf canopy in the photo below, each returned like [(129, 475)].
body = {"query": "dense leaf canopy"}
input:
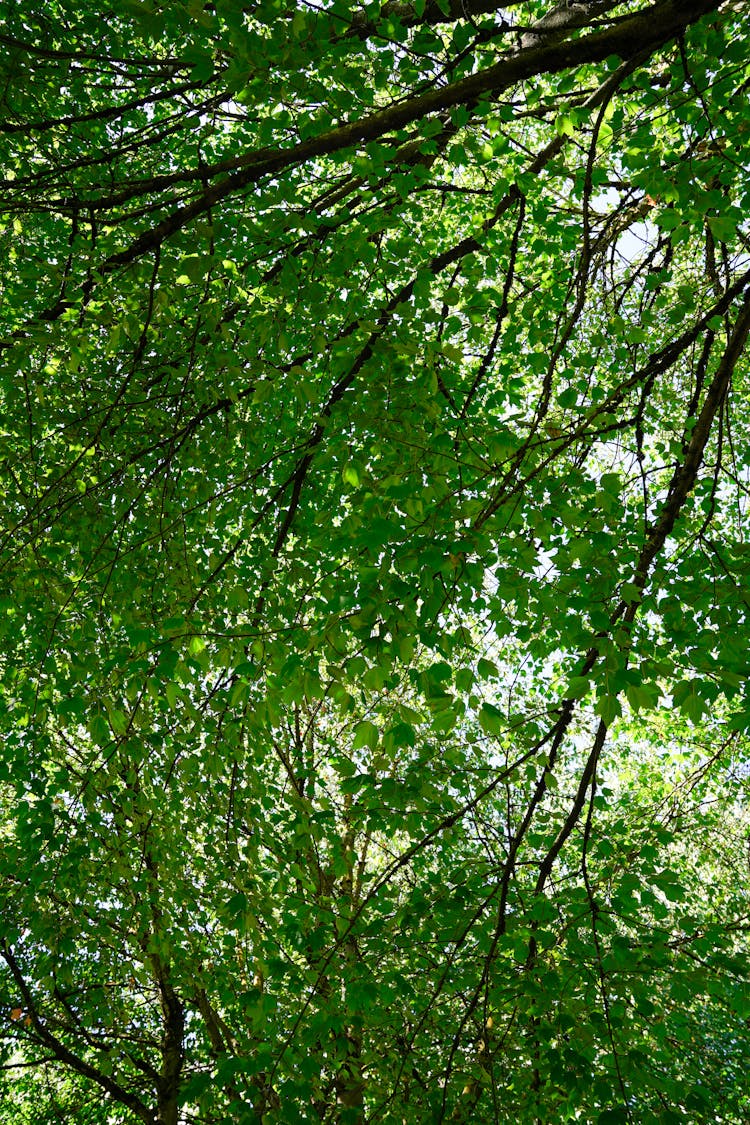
[(375, 447)]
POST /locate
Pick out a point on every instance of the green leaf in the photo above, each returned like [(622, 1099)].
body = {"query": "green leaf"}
[(687, 697), (578, 687), (608, 708), (365, 734), (491, 719), (642, 696), (351, 475), (617, 1116)]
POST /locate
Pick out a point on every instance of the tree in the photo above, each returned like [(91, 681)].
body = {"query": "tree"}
[(375, 578)]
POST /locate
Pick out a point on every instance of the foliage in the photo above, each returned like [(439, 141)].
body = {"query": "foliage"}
[(375, 464)]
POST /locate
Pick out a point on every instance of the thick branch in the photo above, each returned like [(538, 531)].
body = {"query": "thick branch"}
[(685, 476), (648, 30), (64, 1055)]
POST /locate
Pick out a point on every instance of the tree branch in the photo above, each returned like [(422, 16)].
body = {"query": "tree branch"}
[(64, 1055)]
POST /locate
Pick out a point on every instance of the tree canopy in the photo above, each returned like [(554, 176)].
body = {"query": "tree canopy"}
[(375, 447)]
